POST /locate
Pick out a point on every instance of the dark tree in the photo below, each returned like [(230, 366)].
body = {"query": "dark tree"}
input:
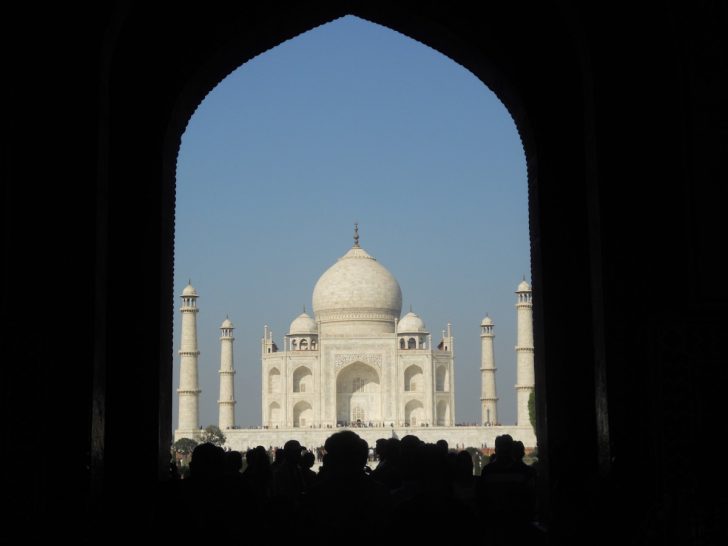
[(532, 409), (184, 446), (213, 435)]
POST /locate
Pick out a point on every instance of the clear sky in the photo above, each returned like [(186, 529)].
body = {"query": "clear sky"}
[(351, 122)]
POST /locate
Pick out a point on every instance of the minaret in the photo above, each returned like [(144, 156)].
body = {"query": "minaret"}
[(488, 397), (226, 403), (189, 391), (267, 344), (447, 340), (524, 352)]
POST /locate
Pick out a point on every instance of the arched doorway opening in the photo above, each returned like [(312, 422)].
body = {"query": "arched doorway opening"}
[(443, 414), (274, 415), (302, 414), (442, 379), (414, 414), (358, 398), (302, 379), (413, 379), (274, 381)]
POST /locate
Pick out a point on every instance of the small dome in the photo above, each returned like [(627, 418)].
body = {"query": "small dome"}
[(227, 324), (411, 323), (189, 291), (487, 321), (303, 324), (524, 287)]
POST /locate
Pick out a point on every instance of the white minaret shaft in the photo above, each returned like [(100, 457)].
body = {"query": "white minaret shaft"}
[(226, 403), (524, 352), (189, 391), (488, 396)]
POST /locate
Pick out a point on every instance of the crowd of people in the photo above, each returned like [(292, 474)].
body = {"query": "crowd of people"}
[(415, 490)]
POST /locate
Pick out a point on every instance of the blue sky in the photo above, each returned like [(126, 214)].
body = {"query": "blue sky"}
[(350, 122)]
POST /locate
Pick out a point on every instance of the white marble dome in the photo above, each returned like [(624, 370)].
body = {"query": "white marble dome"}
[(357, 289), (487, 321), (523, 287), (227, 323), (411, 323), (189, 291), (302, 325)]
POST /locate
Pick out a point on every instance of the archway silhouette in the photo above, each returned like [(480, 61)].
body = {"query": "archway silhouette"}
[(579, 74), (411, 343), (140, 138)]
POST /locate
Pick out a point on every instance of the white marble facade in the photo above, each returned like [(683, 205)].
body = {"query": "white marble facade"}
[(355, 362)]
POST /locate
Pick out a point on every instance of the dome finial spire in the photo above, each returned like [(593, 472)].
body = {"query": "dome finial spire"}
[(304, 308), (356, 234)]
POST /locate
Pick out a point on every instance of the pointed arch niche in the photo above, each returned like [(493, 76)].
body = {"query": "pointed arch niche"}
[(358, 394)]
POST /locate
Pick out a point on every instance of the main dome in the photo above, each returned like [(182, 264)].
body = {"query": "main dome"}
[(357, 288)]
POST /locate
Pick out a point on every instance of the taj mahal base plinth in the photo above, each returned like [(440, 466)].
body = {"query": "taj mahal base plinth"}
[(242, 439)]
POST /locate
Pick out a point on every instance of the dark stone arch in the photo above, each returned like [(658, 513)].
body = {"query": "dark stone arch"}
[(535, 59), (501, 56)]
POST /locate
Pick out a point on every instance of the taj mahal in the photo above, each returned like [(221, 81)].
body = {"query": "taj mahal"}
[(357, 363)]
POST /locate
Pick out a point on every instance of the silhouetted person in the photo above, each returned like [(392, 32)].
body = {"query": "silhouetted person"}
[(236, 488), (258, 475), (202, 501), (410, 468), (344, 496), (464, 481), (288, 483), (387, 471), (233, 462), (505, 493), (207, 464), (308, 459), (427, 496)]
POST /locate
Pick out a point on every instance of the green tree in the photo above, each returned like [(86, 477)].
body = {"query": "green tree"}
[(213, 435), (532, 409), (184, 446)]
